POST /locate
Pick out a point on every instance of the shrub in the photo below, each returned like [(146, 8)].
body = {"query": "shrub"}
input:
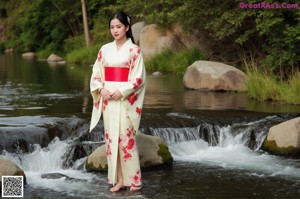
[(174, 62)]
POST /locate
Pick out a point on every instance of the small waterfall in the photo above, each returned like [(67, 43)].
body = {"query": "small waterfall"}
[(42, 159), (251, 134), (237, 148)]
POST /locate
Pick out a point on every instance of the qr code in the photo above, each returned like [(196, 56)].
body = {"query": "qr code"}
[(12, 186)]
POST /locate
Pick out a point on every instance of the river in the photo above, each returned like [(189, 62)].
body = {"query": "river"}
[(44, 116)]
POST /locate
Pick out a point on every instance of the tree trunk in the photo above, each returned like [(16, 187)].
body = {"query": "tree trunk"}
[(85, 24)]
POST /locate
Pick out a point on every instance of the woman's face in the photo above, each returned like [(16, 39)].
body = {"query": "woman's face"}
[(118, 30)]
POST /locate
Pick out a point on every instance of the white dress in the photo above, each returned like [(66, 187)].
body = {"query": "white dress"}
[(121, 117)]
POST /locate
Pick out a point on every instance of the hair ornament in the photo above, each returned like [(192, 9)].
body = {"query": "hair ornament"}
[(128, 19)]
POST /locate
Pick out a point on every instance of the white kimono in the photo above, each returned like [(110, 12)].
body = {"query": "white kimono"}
[(122, 117)]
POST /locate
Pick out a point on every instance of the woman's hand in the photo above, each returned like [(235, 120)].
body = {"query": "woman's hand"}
[(106, 94), (116, 95)]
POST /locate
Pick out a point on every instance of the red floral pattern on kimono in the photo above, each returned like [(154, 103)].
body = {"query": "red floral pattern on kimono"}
[(137, 178), (138, 110), (137, 83), (128, 144), (132, 98), (108, 142), (99, 56), (135, 54), (105, 103), (97, 78), (97, 104)]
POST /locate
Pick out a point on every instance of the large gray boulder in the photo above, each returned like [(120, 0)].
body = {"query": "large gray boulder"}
[(153, 152), (154, 40), (284, 138), (136, 31), (8, 168), (215, 76)]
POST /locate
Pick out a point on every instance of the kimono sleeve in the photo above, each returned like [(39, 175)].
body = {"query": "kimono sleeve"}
[(137, 76), (96, 81)]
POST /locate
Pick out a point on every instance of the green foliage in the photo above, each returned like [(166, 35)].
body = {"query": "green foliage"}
[(42, 25), (160, 62), (83, 55), (74, 43), (263, 85), (2, 47), (185, 58), (44, 54), (271, 35), (74, 46), (51, 25), (101, 33), (174, 62), (293, 85)]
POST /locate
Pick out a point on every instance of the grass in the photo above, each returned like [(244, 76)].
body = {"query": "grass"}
[(264, 85), (293, 88), (83, 55), (174, 62)]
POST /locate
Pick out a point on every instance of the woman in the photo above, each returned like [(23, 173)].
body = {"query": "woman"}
[(118, 89)]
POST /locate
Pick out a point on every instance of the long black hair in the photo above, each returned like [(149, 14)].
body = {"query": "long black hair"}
[(125, 20)]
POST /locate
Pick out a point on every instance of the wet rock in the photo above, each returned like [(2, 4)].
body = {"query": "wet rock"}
[(284, 138), (8, 168), (19, 139), (54, 58), (20, 145), (75, 152), (29, 55), (157, 73), (62, 62), (97, 160), (79, 152), (55, 176), (9, 50), (214, 76), (252, 142), (153, 153)]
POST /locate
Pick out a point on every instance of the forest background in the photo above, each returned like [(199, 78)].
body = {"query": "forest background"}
[(263, 42)]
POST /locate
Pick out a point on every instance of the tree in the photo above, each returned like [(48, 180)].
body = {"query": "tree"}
[(85, 23)]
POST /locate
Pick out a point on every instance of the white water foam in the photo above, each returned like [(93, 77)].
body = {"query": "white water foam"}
[(233, 155), (76, 182), (49, 160)]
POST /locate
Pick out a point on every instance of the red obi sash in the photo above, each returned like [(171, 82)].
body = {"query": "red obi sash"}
[(116, 74)]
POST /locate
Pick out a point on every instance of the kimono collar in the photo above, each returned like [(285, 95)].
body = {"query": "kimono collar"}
[(126, 43)]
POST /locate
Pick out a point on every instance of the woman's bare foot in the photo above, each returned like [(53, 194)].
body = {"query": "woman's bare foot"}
[(136, 188), (117, 187)]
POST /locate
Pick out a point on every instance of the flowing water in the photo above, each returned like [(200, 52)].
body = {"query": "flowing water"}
[(214, 137)]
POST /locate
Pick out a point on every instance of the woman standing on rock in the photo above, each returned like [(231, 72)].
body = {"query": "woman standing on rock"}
[(118, 89)]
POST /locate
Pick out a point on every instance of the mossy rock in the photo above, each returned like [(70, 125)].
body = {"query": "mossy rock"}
[(165, 154), (271, 147), (97, 160), (153, 154)]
